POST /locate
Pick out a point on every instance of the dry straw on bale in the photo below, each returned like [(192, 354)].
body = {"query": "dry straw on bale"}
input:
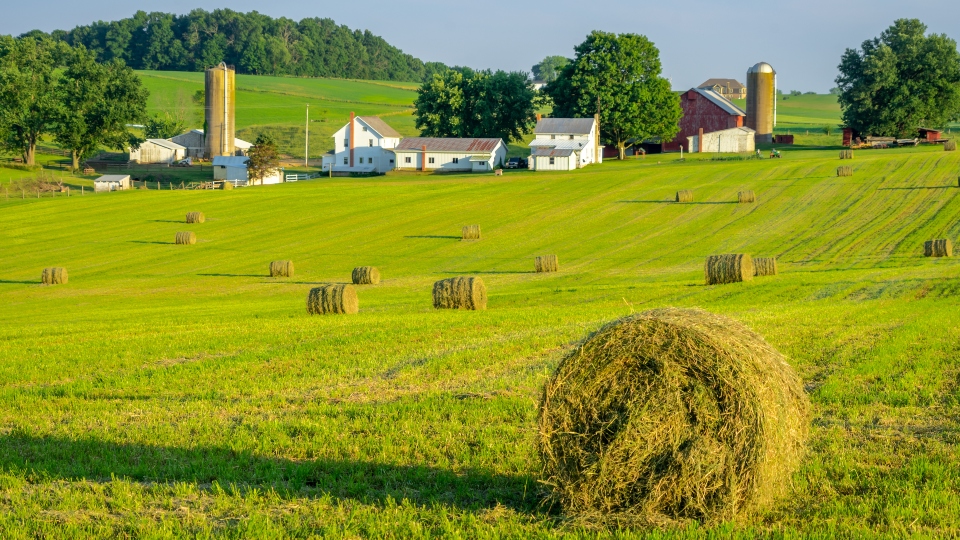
[(938, 248), (950, 146), (186, 238), (366, 275), (54, 276), (669, 416), (846, 154), (684, 195), (227, 186), (333, 298), (730, 268), (746, 197), (195, 217), (845, 170), (471, 232), (546, 263), (281, 269), (460, 293), (765, 266)]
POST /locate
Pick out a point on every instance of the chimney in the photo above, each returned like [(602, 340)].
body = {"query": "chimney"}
[(423, 158), (700, 142), (353, 118), (539, 117)]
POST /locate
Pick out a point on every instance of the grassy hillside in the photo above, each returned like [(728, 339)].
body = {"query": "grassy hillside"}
[(175, 390)]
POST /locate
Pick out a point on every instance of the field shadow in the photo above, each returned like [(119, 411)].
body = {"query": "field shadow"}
[(149, 242), (364, 481), (166, 221), (916, 188), (488, 272), (674, 202), (234, 275), (435, 237), (15, 282)]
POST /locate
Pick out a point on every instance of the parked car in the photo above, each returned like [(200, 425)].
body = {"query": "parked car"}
[(514, 163), (184, 163)]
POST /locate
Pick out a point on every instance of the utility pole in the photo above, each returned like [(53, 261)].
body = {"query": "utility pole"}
[(306, 150)]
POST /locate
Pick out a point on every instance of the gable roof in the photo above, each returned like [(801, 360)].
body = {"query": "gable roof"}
[(169, 145), (380, 126), (733, 84), (435, 144), (720, 101), (573, 126), (113, 178), (552, 152), (230, 161), (564, 144)]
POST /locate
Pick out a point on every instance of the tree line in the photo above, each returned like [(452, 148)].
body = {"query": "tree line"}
[(252, 42)]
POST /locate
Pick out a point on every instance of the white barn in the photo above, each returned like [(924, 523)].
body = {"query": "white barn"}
[(158, 151), (731, 141), (112, 182), (363, 145), (450, 154), (564, 144), (193, 142), (233, 169)]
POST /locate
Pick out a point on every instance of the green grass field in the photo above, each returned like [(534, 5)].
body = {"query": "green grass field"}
[(172, 391)]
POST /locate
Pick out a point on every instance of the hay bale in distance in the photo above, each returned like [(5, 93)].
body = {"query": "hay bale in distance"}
[(729, 268), (333, 298), (460, 293), (366, 275), (671, 415), (546, 263), (471, 232), (765, 266), (187, 238), (938, 248), (195, 217), (744, 197), (685, 195), (227, 186), (55, 275), (950, 146), (845, 170), (281, 269), (846, 154)]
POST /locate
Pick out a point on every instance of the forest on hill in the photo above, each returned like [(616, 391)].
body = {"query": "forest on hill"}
[(252, 42)]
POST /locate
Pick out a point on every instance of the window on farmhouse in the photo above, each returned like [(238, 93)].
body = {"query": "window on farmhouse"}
[(361, 161), (551, 161), (571, 137), (406, 160), (553, 136), (430, 160), (371, 142), (346, 161), (456, 160), (364, 128)]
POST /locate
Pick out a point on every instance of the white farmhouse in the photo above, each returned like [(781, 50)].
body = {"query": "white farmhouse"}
[(233, 169), (449, 154), (564, 144), (196, 146), (364, 145), (158, 151)]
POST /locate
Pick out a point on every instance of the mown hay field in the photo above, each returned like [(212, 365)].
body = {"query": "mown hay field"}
[(168, 392)]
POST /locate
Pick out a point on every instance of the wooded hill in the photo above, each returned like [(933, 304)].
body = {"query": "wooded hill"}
[(253, 42)]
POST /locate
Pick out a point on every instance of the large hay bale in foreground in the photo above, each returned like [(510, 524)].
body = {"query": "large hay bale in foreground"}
[(950, 146), (845, 170), (471, 232), (744, 197), (195, 217), (728, 268), (546, 263), (54, 276), (366, 275), (281, 269), (668, 416), (333, 298), (938, 248), (684, 195), (186, 237), (460, 293), (846, 154), (765, 266)]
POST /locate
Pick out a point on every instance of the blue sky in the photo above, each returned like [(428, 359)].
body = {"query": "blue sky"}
[(698, 39)]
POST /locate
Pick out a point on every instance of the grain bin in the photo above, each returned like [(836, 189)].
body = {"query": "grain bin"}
[(219, 126), (762, 101)]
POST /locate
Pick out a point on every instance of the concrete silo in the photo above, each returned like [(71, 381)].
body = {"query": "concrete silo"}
[(762, 101), (219, 127)]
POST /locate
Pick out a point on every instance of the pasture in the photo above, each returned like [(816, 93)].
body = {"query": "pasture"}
[(177, 390)]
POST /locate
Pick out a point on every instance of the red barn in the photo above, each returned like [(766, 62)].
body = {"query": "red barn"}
[(707, 110)]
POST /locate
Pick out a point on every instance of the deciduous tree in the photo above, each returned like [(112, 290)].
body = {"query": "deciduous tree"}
[(264, 158), (550, 67), (28, 97)]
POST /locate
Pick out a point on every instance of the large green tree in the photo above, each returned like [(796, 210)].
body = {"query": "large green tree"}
[(618, 77), (28, 97), (465, 103), (550, 67), (264, 159), (900, 81), (97, 101)]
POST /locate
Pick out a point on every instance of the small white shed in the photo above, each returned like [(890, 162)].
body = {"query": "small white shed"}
[(112, 182), (158, 151), (234, 170)]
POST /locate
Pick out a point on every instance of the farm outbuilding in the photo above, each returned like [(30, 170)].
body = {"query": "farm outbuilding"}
[(450, 154), (233, 169), (112, 182), (193, 141), (704, 110), (158, 151), (732, 141), (930, 135), (553, 159), (572, 141)]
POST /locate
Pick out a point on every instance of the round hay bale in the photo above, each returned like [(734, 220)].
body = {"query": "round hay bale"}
[(187, 238), (333, 298), (685, 195), (950, 146), (765, 266), (729, 268), (54, 276), (471, 232), (938, 248), (460, 293), (845, 170), (366, 275), (671, 415), (745, 197), (846, 154), (281, 269), (195, 217), (546, 263), (227, 186)]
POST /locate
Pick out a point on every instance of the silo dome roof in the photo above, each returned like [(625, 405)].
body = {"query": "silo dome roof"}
[(762, 67)]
